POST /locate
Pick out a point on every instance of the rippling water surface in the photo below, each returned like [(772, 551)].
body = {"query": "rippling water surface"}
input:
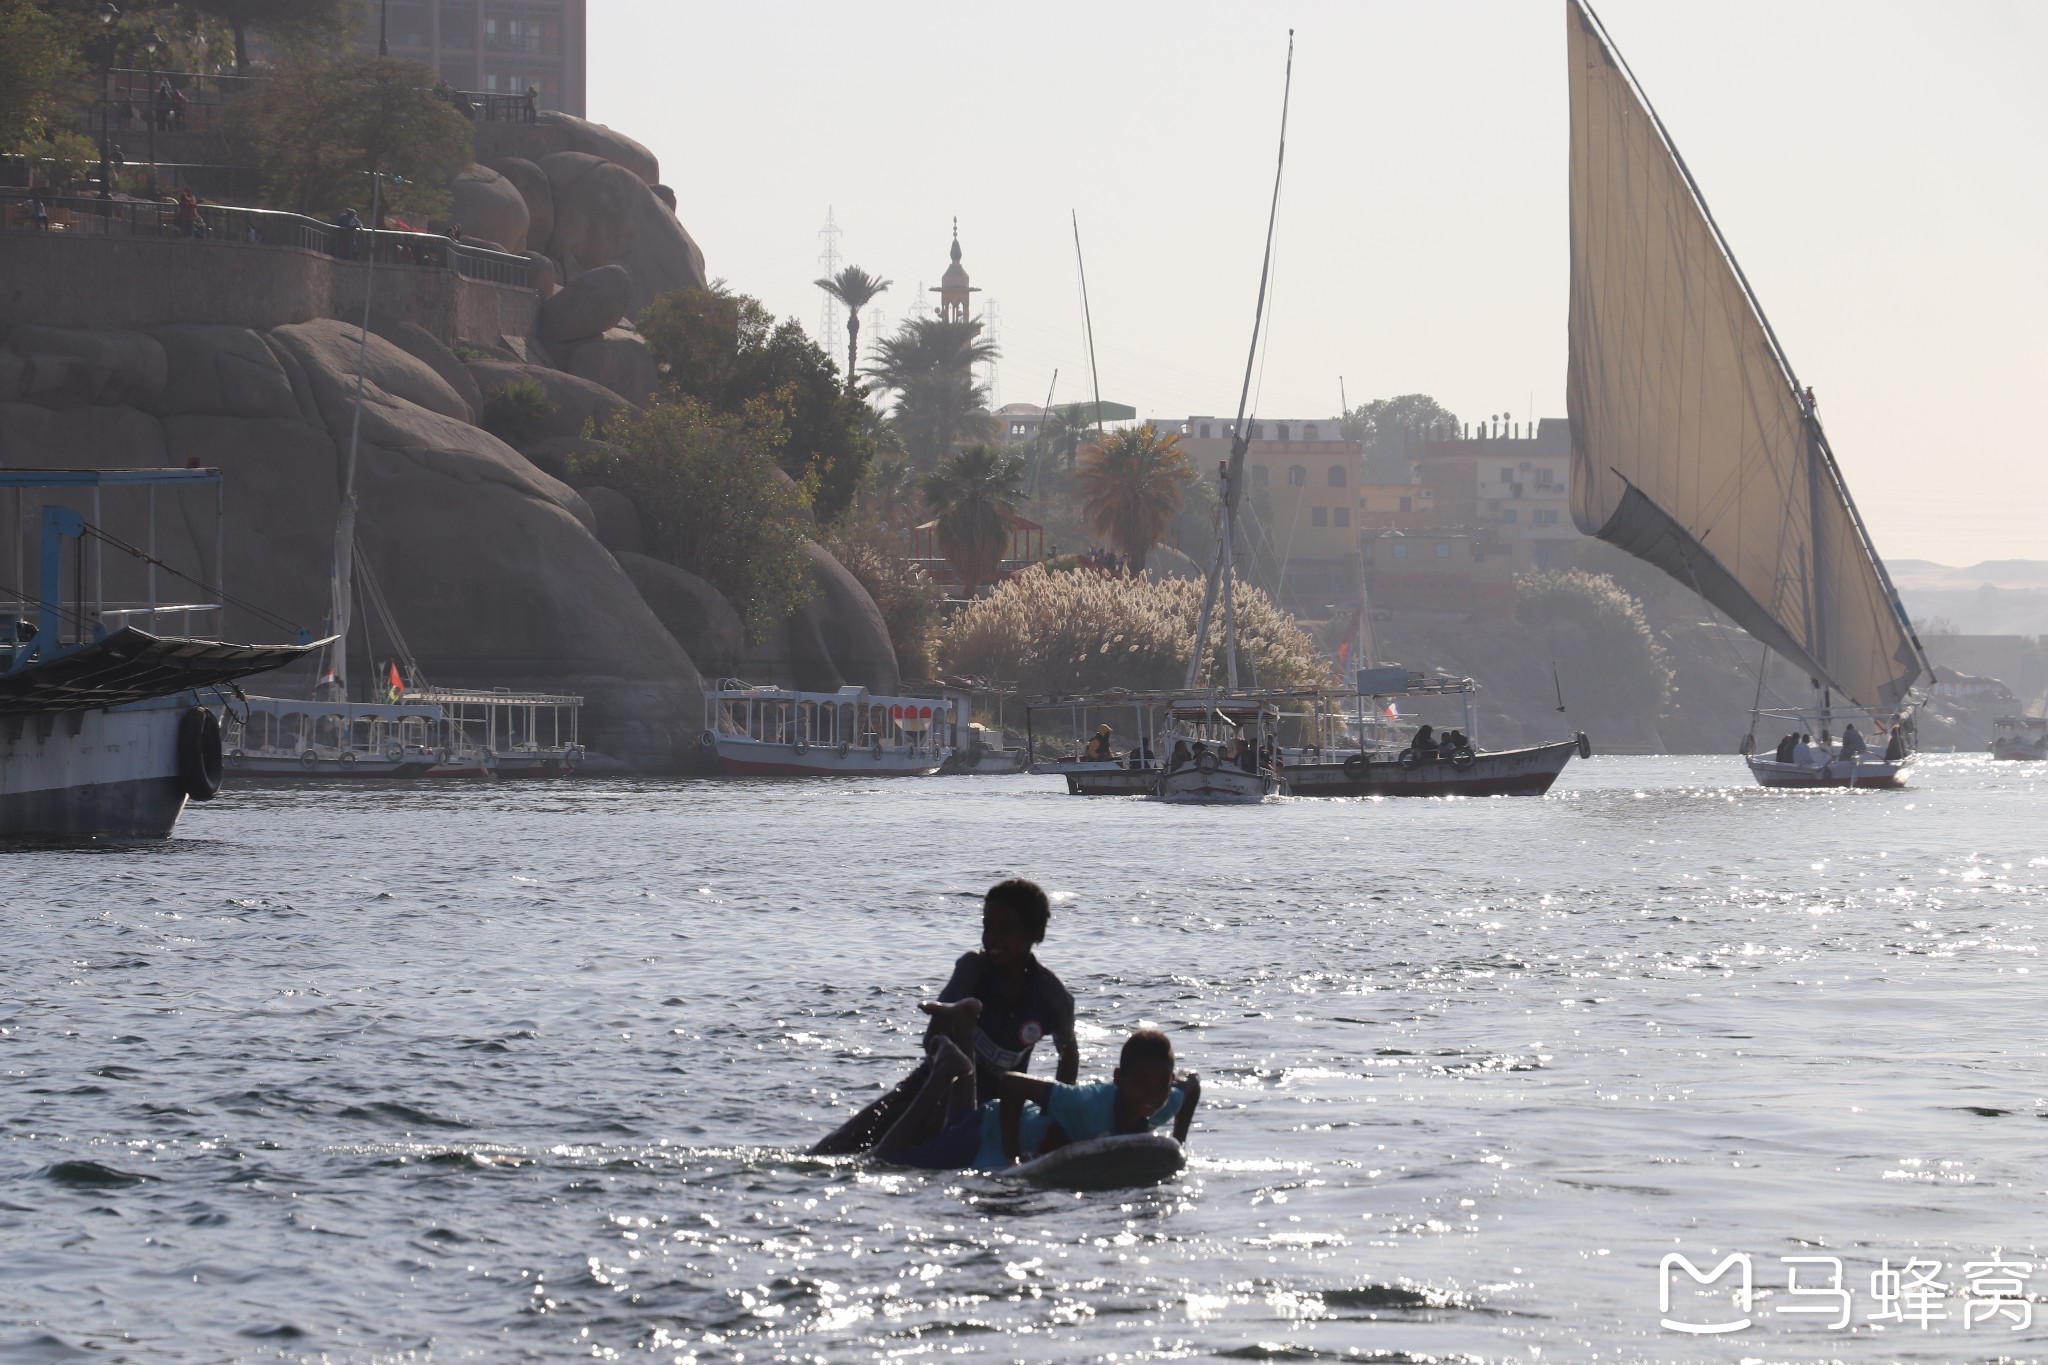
[(525, 1073)]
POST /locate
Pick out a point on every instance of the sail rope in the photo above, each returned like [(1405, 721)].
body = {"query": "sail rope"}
[(226, 598)]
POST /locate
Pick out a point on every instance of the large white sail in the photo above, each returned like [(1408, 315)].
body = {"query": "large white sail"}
[(1692, 447)]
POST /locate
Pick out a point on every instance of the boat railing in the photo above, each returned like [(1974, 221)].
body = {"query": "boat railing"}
[(151, 618)]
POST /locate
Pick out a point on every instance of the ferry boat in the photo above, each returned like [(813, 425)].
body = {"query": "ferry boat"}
[(106, 728), (782, 732), (426, 732), (2020, 737), (1200, 766), (500, 733)]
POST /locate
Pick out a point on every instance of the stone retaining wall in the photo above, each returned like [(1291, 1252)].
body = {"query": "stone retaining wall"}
[(58, 279)]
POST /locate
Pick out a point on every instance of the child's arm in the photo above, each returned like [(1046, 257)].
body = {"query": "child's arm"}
[(1191, 1095), (1016, 1089), (1069, 1069)]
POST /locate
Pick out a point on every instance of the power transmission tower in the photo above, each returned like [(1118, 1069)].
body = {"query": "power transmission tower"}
[(829, 324)]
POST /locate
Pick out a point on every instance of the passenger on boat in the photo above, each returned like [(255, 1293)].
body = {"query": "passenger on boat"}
[(1853, 745), (1447, 745), (1015, 1000), (1247, 754), (1140, 755), (1787, 747), (1181, 756), (948, 1127), (1805, 755), (1098, 750), (1895, 748), (1424, 743)]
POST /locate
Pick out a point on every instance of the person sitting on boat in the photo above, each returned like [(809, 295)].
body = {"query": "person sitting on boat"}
[(1853, 745), (1447, 745), (1424, 743), (1787, 747), (949, 1127), (1895, 748), (1201, 747), (1180, 757), (1140, 755), (1098, 750), (1805, 754), (1015, 1002)]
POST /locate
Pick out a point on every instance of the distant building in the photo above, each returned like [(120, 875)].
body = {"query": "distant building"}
[(1446, 572), (498, 47), (1300, 504)]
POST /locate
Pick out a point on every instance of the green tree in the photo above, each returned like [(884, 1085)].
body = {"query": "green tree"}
[(1378, 425), (321, 124), (40, 69), (855, 289), (929, 364), (287, 23), (726, 351), (714, 500), (513, 413), (1612, 663), (973, 494), (1132, 486)]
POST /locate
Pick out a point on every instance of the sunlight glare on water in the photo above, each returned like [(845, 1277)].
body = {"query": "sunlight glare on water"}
[(526, 1072)]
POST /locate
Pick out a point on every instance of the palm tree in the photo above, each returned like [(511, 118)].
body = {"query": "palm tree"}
[(973, 495), (924, 346), (1132, 485), (856, 289)]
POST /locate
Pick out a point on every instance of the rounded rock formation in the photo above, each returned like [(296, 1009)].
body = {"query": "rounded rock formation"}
[(590, 305), (491, 208)]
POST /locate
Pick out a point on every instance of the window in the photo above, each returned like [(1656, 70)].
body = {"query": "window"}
[(1283, 431), (1258, 432), (1507, 473), (1407, 504), (1544, 477), (1259, 475), (407, 25), (1400, 549), (1544, 516), (1308, 433), (1507, 514), (1344, 516), (1338, 478), (1443, 549), (458, 30), (1297, 477), (1319, 516), (1205, 431)]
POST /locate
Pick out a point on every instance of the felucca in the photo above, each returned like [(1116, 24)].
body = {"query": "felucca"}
[(1695, 447)]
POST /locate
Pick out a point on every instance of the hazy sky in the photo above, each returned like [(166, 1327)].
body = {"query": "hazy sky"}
[(1878, 168)]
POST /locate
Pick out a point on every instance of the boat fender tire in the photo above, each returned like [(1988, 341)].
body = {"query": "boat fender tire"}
[(199, 754), (393, 754), (971, 757), (1022, 761), (573, 759), (844, 749), (707, 740), (348, 760), (1208, 763), (1585, 745), (308, 759), (1354, 766), (875, 748), (1409, 758), (1462, 758), (801, 747), (235, 758)]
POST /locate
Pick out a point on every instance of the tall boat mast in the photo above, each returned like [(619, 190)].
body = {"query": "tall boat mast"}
[(1233, 473), (1694, 446)]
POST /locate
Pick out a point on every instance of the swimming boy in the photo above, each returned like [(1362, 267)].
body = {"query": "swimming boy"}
[(1017, 1003), (944, 1129)]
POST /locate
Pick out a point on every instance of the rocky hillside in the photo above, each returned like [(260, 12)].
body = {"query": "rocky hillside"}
[(498, 574)]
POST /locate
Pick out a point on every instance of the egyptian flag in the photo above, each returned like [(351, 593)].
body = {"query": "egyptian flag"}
[(396, 688)]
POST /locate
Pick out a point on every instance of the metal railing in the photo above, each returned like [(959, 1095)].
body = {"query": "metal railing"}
[(491, 107), (72, 215)]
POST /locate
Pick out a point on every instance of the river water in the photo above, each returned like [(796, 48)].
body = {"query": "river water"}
[(524, 1072)]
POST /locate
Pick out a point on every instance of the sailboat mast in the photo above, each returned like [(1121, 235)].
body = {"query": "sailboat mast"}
[(341, 567), (1234, 472), (1088, 322)]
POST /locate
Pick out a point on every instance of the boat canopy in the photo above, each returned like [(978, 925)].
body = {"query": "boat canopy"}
[(132, 665), (1693, 446)]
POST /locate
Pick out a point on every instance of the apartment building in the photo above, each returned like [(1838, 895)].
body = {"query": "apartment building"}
[(499, 47)]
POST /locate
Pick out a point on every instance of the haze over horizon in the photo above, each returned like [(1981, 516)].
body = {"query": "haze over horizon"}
[(1877, 174)]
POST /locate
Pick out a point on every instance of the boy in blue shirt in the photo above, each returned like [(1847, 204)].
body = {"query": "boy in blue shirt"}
[(945, 1130), (998, 1005)]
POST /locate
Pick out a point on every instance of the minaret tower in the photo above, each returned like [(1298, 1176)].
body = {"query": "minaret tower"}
[(953, 287)]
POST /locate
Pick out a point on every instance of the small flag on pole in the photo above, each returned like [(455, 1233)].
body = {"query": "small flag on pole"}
[(397, 688)]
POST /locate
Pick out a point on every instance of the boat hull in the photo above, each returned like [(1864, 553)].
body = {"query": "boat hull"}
[(109, 773), (2019, 750), (1508, 772), (1102, 779), (1224, 786), (1834, 773), (242, 766), (752, 758)]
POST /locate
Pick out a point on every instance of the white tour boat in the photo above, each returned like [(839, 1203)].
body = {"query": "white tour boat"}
[(2020, 737), (782, 732), (1218, 751)]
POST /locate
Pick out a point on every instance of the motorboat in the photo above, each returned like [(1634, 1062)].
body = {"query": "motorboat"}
[(788, 732)]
